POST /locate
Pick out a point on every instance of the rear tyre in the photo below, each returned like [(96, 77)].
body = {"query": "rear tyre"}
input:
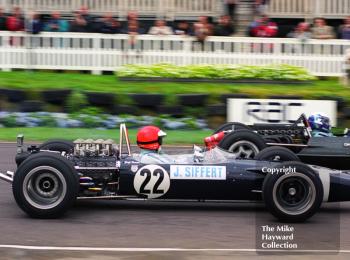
[(58, 145), (293, 196), (275, 153), (243, 143), (45, 185)]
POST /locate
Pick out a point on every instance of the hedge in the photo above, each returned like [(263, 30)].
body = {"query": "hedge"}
[(282, 72)]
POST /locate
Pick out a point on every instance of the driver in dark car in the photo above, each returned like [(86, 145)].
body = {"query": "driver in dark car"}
[(320, 125)]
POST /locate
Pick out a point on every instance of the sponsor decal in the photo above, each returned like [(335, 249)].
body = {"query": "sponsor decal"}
[(197, 172), (250, 111)]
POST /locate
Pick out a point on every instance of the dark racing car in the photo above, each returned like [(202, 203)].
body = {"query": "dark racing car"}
[(50, 177), (284, 141)]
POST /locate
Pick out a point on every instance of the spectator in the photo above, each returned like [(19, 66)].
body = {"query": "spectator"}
[(79, 24), (263, 27), (84, 12), (231, 7), (56, 24), (34, 24), (132, 15), (15, 21), (182, 28), (133, 31), (321, 30), (83, 21), (109, 24), (225, 26), (301, 32), (160, 28), (132, 24), (202, 28), (2, 20), (344, 29)]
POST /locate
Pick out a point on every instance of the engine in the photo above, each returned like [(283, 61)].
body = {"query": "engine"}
[(93, 148), (96, 162)]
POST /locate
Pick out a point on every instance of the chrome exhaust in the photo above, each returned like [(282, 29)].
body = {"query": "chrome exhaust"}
[(8, 177)]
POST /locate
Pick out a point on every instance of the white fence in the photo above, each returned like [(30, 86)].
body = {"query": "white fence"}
[(169, 8), (309, 8), (101, 52)]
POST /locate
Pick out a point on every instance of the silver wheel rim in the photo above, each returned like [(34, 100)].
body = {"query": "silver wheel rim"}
[(276, 158), (44, 187), (244, 149), (294, 193)]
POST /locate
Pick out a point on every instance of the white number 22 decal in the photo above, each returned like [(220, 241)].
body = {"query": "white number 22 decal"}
[(152, 181)]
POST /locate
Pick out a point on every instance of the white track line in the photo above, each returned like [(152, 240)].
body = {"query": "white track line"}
[(109, 249)]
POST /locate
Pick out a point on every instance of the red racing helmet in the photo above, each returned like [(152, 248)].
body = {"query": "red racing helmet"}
[(150, 137)]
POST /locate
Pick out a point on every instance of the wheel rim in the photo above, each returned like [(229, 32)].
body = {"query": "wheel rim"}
[(294, 193), (44, 187), (244, 149), (275, 158)]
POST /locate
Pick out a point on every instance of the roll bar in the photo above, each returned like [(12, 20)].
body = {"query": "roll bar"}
[(303, 120), (124, 135)]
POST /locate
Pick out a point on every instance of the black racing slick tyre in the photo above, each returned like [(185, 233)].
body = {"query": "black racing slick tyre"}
[(45, 185), (231, 126), (58, 145), (292, 195), (275, 153), (243, 143)]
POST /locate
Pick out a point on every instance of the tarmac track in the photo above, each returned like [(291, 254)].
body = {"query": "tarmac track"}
[(123, 226)]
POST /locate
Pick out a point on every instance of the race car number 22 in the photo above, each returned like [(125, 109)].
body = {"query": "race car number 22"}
[(152, 181)]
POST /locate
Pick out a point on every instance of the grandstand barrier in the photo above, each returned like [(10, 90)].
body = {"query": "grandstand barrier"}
[(184, 8), (167, 8), (309, 8), (103, 52)]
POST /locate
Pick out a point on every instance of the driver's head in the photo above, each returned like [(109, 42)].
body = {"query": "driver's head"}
[(150, 138), (320, 122)]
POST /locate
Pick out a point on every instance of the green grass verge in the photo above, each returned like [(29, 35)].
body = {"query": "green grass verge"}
[(44, 133), (35, 81)]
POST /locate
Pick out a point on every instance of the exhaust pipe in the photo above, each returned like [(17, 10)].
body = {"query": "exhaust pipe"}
[(8, 177)]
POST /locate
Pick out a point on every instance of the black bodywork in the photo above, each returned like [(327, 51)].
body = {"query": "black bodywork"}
[(243, 181), (331, 152)]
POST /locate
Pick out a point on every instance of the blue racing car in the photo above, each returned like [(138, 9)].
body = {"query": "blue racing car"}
[(50, 177)]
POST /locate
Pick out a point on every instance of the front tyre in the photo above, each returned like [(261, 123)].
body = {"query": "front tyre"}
[(293, 196), (45, 185)]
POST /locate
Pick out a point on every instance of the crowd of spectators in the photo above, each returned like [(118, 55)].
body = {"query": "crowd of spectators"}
[(83, 22), (320, 30)]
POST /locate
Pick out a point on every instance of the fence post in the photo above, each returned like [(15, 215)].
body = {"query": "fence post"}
[(277, 48), (6, 61), (187, 49), (96, 56)]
